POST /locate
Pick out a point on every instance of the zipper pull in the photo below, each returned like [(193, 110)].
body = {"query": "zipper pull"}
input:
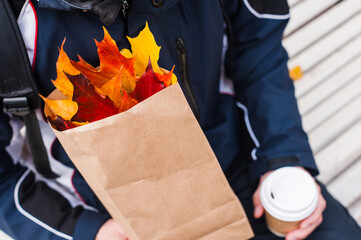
[(125, 6), (181, 46)]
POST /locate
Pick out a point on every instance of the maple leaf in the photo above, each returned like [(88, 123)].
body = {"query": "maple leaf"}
[(111, 61), (144, 47), (128, 80), (92, 106), (93, 74), (110, 56), (165, 77), (296, 73), (148, 84), (64, 64), (60, 124), (64, 108), (114, 87), (126, 53), (127, 102)]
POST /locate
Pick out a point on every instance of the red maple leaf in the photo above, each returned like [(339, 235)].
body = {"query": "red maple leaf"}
[(60, 124), (148, 84), (92, 106)]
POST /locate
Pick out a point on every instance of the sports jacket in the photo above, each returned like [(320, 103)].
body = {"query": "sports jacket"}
[(230, 64)]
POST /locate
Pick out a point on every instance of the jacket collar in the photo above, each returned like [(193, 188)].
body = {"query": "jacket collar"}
[(138, 13), (141, 11)]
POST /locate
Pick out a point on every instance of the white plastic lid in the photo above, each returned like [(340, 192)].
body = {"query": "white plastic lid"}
[(289, 194)]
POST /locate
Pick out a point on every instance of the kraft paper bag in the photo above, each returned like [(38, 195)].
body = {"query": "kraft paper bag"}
[(156, 174)]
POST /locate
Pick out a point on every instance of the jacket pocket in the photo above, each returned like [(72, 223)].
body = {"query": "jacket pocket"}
[(185, 84)]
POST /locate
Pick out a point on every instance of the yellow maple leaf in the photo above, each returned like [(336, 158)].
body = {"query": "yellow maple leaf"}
[(64, 108), (64, 65), (296, 73), (144, 47)]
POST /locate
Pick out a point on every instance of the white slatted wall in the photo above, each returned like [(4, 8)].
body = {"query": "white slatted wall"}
[(324, 38)]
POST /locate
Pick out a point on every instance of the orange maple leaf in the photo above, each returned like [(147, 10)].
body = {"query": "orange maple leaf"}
[(127, 102), (114, 88), (106, 77), (166, 76)]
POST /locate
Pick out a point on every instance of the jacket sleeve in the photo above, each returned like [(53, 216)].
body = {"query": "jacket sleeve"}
[(30, 209), (263, 85)]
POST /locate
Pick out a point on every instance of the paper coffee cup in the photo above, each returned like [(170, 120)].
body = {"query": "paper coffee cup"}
[(288, 196)]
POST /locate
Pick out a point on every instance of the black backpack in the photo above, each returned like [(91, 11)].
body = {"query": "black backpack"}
[(18, 88)]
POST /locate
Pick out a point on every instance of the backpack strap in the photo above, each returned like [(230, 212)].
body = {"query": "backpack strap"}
[(18, 89), (17, 6), (230, 37)]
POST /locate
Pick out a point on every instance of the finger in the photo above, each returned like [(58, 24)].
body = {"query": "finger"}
[(303, 233), (258, 208), (313, 218)]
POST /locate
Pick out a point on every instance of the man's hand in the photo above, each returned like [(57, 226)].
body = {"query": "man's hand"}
[(307, 226), (111, 231)]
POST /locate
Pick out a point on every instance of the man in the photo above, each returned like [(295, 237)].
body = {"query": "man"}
[(232, 68)]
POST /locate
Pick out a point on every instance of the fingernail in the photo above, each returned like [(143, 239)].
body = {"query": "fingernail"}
[(257, 210)]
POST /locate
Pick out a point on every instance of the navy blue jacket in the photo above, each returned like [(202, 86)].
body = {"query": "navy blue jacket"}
[(231, 66)]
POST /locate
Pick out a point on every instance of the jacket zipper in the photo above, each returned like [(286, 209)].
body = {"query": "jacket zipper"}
[(124, 6), (182, 57), (230, 37)]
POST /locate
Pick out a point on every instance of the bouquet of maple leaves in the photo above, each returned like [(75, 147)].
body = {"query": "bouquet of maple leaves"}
[(122, 80)]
